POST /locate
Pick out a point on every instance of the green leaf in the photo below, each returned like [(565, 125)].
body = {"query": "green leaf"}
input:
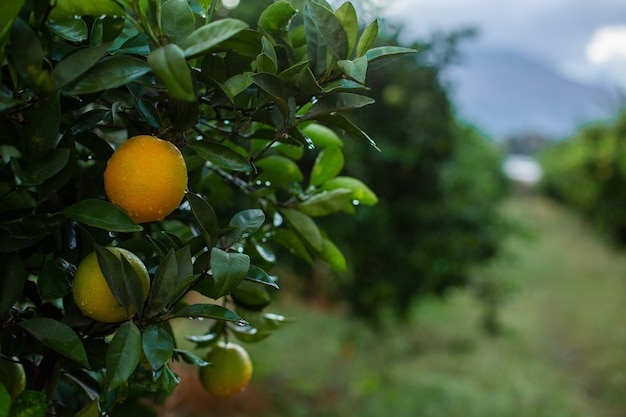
[(211, 35), (243, 224), (41, 132), (339, 120), (177, 20), (251, 295), (357, 69), (76, 64), (294, 244), (92, 409), (170, 65), (12, 280), (315, 43), (58, 337), (276, 17), (338, 102), (158, 345), (54, 280), (26, 50), (101, 214), (229, 269), (304, 226), (163, 285), (273, 87), (361, 193), (205, 218), (278, 170), (73, 29), (326, 202), (133, 286), (149, 113), (111, 267), (221, 155), (122, 355), (328, 164), (382, 52), (207, 311), (5, 401), (350, 23), (110, 73), (367, 39), (259, 275), (189, 357), (39, 171), (329, 27), (332, 256), (29, 404), (9, 10), (71, 8)]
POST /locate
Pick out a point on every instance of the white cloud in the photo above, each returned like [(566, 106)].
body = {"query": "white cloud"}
[(607, 44)]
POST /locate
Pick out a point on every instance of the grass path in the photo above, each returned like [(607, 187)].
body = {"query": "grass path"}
[(562, 352)]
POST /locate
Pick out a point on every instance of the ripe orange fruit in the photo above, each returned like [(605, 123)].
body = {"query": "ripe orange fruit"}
[(146, 177), (229, 370), (91, 291)]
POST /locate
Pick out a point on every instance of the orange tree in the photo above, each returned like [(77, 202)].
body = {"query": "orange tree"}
[(78, 79)]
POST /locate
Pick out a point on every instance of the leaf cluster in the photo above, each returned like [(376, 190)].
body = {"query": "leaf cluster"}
[(79, 78)]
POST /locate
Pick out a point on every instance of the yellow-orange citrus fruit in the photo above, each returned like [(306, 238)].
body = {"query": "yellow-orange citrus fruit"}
[(12, 376), (91, 291), (146, 177), (229, 370)]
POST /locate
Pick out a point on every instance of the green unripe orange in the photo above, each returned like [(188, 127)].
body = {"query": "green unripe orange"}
[(229, 370)]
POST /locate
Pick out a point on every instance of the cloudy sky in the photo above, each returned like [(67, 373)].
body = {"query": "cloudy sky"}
[(584, 40)]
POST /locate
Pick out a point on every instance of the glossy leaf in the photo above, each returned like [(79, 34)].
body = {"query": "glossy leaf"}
[(149, 113), (92, 409), (251, 295), (101, 214), (357, 69), (110, 73), (276, 17), (158, 345), (381, 52), (331, 254), (133, 286), (170, 65), (221, 155), (114, 275), (211, 35), (41, 132), (71, 8), (367, 39), (304, 226), (229, 269), (29, 404), (259, 275), (243, 223), (73, 29), (76, 64), (329, 27), (54, 280), (339, 102), (342, 122), (39, 171), (274, 89), (293, 243), (361, 193), (12, 280), (189, 357), (177, 21), (328, 164), (350, 23), (122, 355), (205, 218), (163, 285), (326, 202), (207, 311), (58, 337), (278, 170)]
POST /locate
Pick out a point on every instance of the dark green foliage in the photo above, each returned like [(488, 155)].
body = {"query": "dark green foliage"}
[(587, 172)]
